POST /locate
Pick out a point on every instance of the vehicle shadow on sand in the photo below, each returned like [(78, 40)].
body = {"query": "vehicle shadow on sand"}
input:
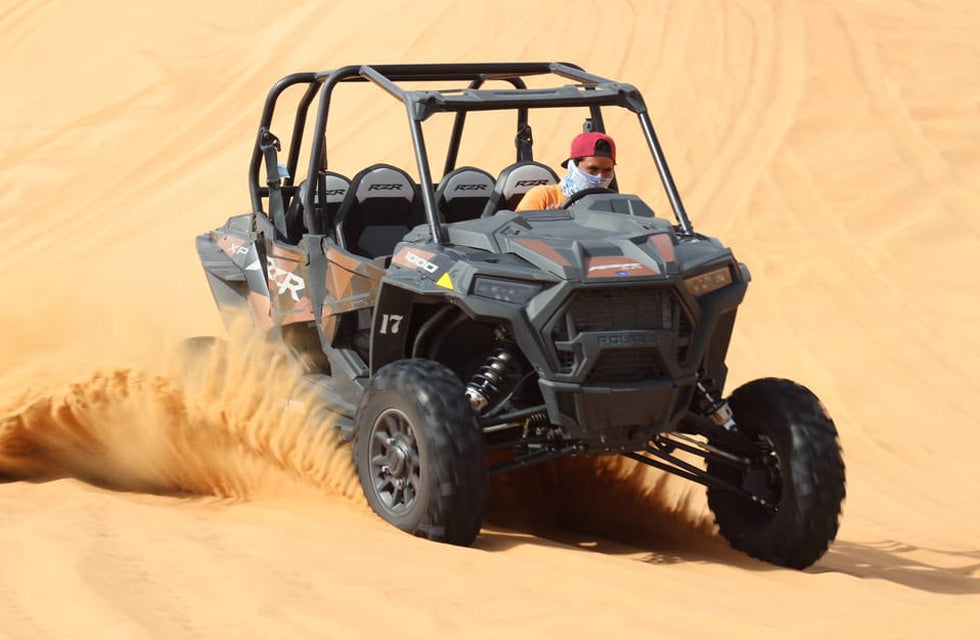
[(924, 569), (930, 570), (606, 506), (696, 548)]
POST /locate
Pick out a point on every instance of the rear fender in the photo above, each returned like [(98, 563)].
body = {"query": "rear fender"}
[(236, 277)]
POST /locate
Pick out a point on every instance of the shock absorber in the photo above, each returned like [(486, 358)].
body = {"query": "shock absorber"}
[(716, 409), (485, 387)]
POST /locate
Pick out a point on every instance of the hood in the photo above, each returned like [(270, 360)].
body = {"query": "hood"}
[(577, 244)]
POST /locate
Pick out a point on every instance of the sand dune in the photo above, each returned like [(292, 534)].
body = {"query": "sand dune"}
[(834, 146)]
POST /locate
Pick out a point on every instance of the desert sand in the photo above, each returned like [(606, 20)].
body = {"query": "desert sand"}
[(835, 146)]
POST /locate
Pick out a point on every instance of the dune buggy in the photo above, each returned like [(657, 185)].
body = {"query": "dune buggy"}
[(445, 330)]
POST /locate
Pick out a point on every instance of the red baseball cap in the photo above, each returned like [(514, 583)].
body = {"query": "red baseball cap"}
[(584, 146)]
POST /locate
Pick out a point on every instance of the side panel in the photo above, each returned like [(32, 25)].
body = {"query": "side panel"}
[(286, 272), (351, 283), (392, 317)]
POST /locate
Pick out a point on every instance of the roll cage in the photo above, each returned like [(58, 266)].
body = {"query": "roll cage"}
[(588, 90)]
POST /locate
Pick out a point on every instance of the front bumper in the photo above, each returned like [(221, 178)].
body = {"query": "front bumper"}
[(617, 417)]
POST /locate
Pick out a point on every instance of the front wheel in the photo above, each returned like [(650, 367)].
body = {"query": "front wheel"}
[(797, 470), (419, 453)]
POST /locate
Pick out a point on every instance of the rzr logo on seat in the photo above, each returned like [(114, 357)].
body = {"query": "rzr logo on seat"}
[(470, 187), (335, 192), (531, 183), (384, 187)]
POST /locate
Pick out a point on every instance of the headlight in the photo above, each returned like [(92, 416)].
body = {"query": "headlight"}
[(504, 290), (709, 281)]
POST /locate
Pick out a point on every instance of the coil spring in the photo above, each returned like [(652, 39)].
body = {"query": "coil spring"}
[(537, 420), (484, 387), (533, 424)]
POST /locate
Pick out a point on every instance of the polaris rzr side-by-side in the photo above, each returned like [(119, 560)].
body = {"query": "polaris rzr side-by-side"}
[(444, 330)]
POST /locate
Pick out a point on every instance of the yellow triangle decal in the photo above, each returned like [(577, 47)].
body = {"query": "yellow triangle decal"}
[(445, 281)]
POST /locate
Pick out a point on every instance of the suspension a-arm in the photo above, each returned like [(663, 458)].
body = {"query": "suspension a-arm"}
[(658, 453)]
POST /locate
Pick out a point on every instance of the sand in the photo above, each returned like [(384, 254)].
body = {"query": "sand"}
[(835, 146)]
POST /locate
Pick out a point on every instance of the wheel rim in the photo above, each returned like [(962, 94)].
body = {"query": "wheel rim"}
[(394, 455)]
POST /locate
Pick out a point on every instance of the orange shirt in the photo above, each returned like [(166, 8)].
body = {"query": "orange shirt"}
[(545, 196)]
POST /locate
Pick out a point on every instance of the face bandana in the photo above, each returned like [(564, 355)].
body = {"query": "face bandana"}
[(578, 180)]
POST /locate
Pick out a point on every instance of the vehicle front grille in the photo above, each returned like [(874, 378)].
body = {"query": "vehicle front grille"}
[(623, 309), (614, 309)]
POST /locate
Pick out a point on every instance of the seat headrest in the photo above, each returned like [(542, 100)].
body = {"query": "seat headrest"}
[(334, 187), (332, 191), (521, 177), (465, 182), (383, 181), (463, 193)]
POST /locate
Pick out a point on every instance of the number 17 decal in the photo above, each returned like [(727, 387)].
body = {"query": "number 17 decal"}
[(390, 323)]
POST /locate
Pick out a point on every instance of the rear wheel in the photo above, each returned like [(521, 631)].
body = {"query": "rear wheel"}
[(419, 453), (797, 470)]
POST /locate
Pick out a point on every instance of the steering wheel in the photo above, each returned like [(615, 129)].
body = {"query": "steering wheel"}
[(575, 197)]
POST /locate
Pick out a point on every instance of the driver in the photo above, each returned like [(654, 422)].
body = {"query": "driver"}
[(590, 164)]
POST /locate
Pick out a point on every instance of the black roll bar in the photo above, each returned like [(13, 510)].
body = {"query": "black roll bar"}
[(593, 91), (452, 154), (665, 177), (264, 123)]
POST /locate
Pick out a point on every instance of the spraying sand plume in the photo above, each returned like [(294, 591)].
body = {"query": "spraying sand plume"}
[(192, 429)]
